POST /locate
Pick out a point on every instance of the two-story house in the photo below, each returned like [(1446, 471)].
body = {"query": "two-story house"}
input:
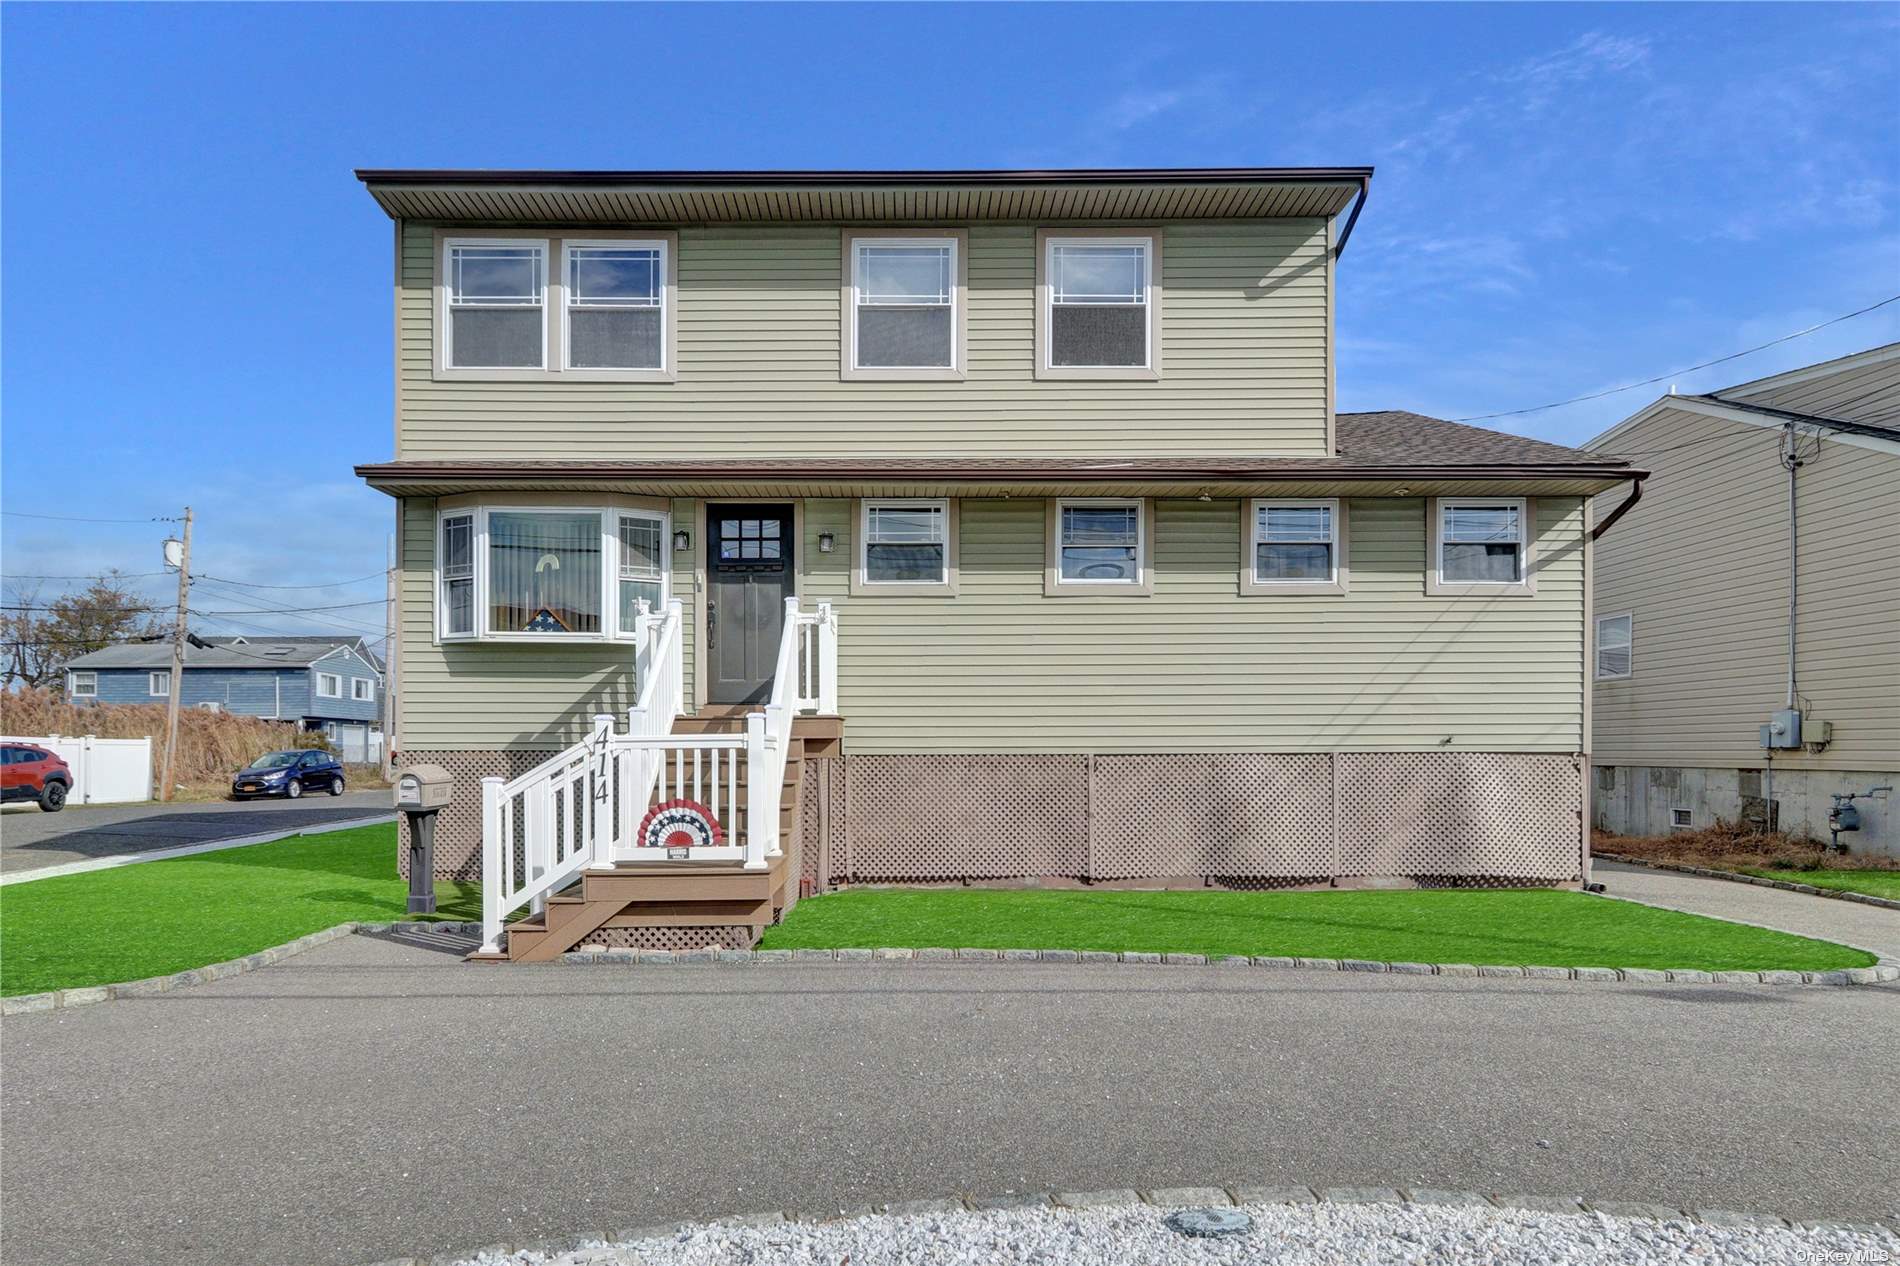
[(987, 524), (327, 685)]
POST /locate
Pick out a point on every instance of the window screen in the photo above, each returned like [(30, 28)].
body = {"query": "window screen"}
[(1481, 544), (905, 543), (495, 306), (905, 315), (1098, 305), (1101, 543), (1295, 542), (616, 301), (458, 576), (543, 572)]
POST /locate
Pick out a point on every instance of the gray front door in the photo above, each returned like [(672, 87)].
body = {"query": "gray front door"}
[(750, 577)]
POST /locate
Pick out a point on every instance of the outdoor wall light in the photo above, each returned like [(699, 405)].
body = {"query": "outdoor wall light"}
[(827, 541), (682, 541)]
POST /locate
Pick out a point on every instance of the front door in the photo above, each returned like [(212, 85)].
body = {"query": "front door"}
[(750, 576)]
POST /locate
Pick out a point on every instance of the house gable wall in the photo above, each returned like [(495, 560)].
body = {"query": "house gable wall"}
[(348, 666)]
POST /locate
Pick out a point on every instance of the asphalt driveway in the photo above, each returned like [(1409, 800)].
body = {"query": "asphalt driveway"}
[(376, 1098), (31, 840)]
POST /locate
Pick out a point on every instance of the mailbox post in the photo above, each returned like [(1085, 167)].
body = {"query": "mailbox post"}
[(421, 793)]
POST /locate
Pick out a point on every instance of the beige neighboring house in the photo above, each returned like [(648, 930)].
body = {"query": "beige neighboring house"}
[(766, 531), (1747, 589)]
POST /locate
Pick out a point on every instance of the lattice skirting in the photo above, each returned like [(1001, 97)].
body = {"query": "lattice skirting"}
[(730, 936), (1243, 819)]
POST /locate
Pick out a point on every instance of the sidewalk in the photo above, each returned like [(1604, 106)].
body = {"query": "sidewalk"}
[(1846, 922)]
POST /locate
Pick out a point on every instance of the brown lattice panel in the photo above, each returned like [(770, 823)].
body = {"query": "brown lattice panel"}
[(458, 828), (1491, 815), (967, 817), (1240, 814), (734, 936)]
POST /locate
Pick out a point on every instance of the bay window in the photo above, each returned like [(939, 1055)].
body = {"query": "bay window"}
[(555, 573)]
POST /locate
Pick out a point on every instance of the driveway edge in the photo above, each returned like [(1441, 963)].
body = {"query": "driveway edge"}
[(1162, 1198), (115, 860), (1737, 877)]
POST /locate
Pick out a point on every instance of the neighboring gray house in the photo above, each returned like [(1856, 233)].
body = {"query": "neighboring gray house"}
[(333, 685), (1740, 589)]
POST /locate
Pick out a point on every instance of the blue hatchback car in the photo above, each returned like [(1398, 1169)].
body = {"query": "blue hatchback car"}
[(289, 774)]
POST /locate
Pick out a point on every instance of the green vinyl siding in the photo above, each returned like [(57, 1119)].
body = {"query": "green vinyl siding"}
[(1196, 667), (1245, 344)]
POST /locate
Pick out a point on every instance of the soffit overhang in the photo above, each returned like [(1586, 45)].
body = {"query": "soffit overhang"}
[(845, 197)]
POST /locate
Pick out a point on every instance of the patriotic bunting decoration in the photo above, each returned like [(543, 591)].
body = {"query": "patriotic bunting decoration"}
[(680, 824)]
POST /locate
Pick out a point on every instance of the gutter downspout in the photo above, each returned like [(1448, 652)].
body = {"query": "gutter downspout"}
[(1636, 494), (1790, 460), (1352, 217)]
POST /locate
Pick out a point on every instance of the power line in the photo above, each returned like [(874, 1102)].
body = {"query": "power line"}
[(104, 575), (340, 606), (73, 518), (335, 584), (1649, 382)]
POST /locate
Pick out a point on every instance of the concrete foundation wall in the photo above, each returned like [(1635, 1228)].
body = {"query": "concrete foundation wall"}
[(1637, 800)]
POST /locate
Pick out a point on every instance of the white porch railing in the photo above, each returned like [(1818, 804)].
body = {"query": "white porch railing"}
[(584, 807)]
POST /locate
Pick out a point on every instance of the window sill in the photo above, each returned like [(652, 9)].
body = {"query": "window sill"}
[(1053, 588), (1436, 588), (444, 373), (1251, 588), (848, 373), (874, 589), (1099, 373)]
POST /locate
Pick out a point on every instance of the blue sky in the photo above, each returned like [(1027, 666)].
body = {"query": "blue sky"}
[(196, 291)]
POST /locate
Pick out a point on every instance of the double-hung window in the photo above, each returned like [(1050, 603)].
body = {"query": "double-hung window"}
[(362, 690), (85, 684), (159, 685), (1481, 545), (1097, 306), (906, 547), (1098, 545), (497, 309), (330, 685), (455, 558), (903, 306), (557, 573), (1615, 639), (616, 304), (1295, 547)]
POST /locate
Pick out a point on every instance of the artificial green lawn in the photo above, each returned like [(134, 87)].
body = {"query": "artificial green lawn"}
[(1873, 883), (153, 918), (1521, 927)]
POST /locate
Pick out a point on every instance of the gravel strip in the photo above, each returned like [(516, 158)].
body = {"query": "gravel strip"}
[(1284, 1234)]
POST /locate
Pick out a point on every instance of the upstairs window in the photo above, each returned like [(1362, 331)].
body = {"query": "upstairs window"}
[(85, 685), (1481, 545), (496, 304), (457, 562), (906, 543), (1615, 643), (362, 690), (903, 299), (616, 304), (1098, 309), (330, 685), (1098, 545)]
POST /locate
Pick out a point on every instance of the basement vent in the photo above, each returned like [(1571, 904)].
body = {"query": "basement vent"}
[(1680, 820)]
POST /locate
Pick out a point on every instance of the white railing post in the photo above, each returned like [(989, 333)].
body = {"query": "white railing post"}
[(778, 734), (677, 688), (538, 843), (760, 807), (597, 826), (642, 646), (634, 780), (493, 847), (827, 659)]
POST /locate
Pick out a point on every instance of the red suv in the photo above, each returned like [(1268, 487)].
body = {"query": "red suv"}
[(29, 772)]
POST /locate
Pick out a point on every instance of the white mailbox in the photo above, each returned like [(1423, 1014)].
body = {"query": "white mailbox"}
[(424, 787)]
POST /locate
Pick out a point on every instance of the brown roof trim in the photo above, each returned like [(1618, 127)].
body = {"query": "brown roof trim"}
[(983, 471), (797, 179)]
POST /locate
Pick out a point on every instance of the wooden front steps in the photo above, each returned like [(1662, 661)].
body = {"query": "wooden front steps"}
[(659, 895)]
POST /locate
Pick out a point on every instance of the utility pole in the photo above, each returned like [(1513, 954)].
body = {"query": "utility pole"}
[(178, 663)]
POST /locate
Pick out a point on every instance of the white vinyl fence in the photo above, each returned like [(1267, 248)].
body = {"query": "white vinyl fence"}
[(105, 771)]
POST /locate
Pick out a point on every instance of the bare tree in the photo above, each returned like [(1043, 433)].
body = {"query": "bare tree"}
[(39, 638)]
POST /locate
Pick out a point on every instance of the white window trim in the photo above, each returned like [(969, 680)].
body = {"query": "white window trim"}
[(336, 685), (362, 690), (1596, 647), (664, 372), (1046, 242), (861, 583), (442, 632), (155, 680), (609, 516), (1250, 582), (554, 301), (1142, 586), (445, 328), (1435, 582), (958, 240), (72, 683)]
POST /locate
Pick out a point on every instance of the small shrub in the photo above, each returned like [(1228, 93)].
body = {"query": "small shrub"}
[(1732, 845)]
